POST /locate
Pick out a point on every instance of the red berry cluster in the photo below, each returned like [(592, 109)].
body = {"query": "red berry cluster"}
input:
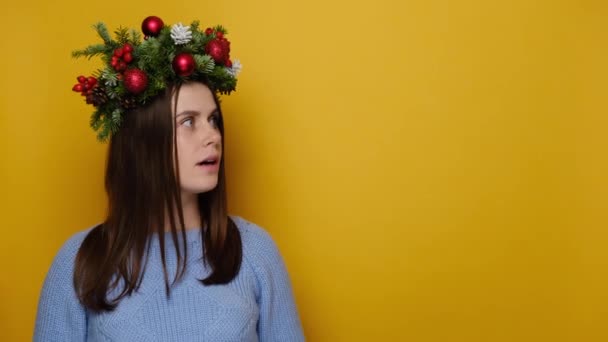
[(122, 57), (85, 85), (218, 48)]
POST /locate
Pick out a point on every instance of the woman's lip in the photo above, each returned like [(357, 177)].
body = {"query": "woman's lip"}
[(215, 158), (214, 161), (209, 167)]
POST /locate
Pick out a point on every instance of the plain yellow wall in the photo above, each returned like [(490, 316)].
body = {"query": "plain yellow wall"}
[(431, 170)]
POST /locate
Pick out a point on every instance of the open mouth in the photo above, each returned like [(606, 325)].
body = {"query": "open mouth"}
[(208, 162)]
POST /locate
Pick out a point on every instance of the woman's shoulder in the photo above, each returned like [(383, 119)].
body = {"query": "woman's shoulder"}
[(249, 229), (257, 242), (68, 250), (60, 315)]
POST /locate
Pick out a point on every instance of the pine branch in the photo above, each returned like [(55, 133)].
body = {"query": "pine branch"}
[(199, 41), (114, 123), (109, 77), (197, 38), (105, 130), (221, 28), (204, 63), (112, 93), (95, 121), (164, 38), (102, 31), (224, 82), (90, 51), (102, 136), (116, 117), (122, 35), (135, 36)]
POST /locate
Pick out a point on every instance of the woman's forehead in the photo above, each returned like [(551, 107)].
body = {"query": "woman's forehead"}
[(196, 97)]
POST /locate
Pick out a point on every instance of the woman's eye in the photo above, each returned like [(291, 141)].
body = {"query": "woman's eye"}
[(215, 120), (188, 122)]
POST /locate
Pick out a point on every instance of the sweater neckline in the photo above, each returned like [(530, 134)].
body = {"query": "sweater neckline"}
[(193, 237)]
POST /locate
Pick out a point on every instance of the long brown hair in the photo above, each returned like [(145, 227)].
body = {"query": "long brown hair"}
[(142, 184)]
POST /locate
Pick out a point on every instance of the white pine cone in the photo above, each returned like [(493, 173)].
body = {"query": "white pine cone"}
[(236, 68), (181, 34)]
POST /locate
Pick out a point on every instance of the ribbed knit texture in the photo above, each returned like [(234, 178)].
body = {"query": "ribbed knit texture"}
[(258, 305)]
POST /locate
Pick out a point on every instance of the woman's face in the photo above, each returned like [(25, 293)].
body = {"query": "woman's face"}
[(198, 138)]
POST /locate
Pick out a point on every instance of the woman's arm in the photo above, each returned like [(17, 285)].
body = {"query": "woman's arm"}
[(60, 315), (279, 319)]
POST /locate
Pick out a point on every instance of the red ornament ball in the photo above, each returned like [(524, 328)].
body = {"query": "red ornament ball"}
[(219, 50), (135, 80), (151, 26), (184, 64)]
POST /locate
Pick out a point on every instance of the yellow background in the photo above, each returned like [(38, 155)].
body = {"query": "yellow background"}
[(431, 170)]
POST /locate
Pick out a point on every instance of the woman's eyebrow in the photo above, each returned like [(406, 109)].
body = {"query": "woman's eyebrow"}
[(188, 112)]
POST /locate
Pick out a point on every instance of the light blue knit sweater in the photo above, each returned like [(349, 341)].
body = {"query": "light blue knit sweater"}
[(258, 305)]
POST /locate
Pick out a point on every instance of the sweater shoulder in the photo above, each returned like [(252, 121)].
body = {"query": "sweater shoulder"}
[(67, 252), (60, 316), (259, 247), (249, 230)]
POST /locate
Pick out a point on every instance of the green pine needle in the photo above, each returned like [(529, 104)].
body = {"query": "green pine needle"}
[(109, 78), (117, 117), (221, 28), (90, 51), (102, 31), (204, 63), (135, 36), (122, 35), (95, 122)]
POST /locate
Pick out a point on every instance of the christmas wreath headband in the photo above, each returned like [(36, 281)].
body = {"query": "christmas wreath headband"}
[(136, 70)]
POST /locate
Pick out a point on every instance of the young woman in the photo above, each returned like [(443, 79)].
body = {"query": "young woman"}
[(168, 263)]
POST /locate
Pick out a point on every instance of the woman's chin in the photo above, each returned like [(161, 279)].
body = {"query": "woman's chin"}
[(196, 189)]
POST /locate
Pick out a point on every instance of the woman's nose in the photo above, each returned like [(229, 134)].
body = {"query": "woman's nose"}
[(210, 135)]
